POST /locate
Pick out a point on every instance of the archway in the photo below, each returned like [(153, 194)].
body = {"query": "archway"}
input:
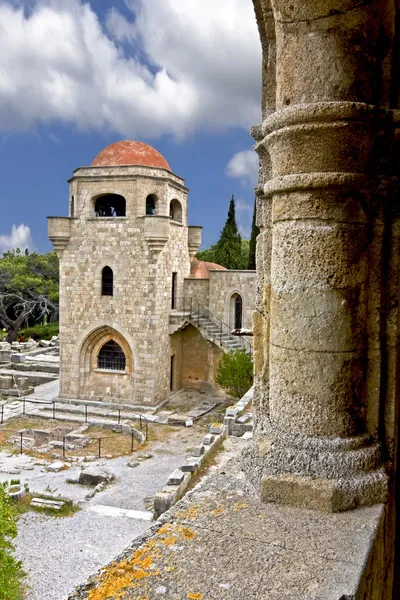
[(236, 311), (175, 210), (106, 366), (110, 205)]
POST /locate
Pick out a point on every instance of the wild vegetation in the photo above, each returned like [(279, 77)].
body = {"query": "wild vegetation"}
[(29, 290), (11, 573), (235, 372)]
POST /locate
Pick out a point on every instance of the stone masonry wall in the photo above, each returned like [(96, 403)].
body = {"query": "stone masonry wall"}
[(223, 284), (137, 314), (196, 359)]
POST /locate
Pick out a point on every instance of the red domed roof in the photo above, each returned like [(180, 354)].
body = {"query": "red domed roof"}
[(130, 153)]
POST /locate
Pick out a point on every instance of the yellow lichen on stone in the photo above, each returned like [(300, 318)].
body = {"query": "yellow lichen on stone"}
[(217, 512), (240, 506), (195, 596)]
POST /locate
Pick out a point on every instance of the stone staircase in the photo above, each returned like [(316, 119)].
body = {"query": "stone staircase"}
[(211, 332), (188, 310)]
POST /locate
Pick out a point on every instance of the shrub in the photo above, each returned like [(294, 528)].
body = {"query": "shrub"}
[(11, 572), (235, 372), (39, 332)]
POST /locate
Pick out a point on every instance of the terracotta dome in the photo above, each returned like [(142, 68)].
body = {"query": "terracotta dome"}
[(130, 153), (200, 269)]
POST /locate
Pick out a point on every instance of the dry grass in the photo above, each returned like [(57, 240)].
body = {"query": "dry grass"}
[(112, 445)]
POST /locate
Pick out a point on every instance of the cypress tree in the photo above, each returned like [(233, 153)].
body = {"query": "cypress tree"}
[(253, 240), (228, 249)]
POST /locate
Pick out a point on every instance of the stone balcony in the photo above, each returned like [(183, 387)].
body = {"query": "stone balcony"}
[(59, 231)]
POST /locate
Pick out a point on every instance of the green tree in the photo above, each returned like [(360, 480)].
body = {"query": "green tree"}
[(253, 239), (10, 569), (228, 249), (29, 290), (208, 254), (235, 372)]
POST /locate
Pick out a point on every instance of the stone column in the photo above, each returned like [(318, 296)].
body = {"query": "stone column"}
[(314, 445)]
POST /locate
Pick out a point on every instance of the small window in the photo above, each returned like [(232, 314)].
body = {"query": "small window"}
[(110, 205), (107, 282), (175, 211), (72, 206), (151, 203), (111, 357), (236, 311)]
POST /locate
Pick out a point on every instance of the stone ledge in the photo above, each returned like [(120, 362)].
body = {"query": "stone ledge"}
[(221, 541)]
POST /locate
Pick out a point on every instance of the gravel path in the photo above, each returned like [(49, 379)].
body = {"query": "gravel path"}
[(60, 553)]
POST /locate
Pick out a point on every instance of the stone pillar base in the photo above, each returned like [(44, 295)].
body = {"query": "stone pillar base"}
[(326, 495), (329, 474)]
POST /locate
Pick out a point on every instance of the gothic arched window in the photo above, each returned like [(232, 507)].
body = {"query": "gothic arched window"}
[(111, 357), (107, 282)]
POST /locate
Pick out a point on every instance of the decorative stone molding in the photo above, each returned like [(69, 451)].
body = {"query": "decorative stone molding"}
[(156, 231), (59, 231), (194, 239)]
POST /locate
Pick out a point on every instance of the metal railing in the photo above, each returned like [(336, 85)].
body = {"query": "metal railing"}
[(196, 311), (142, 419)]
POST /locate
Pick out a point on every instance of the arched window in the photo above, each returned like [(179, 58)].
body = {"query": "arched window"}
[(111, 357), (110, 205), (236, 311), (151, 204), (107, 282), (175, 211)]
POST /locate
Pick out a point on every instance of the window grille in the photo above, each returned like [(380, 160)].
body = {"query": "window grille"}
[(111, 357), (107, 282)]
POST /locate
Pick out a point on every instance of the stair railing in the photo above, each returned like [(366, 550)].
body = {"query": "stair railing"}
[(195, 311)]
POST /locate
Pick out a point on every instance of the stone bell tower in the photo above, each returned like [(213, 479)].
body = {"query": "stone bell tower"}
[(124, 251)]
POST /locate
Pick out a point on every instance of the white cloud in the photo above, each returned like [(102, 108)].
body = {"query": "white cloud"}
[(191, 65), (244, 166), (20, 237)]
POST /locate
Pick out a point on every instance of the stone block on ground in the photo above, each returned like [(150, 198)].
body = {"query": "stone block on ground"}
[(208, 439), (247, 435), (56, 466), (44, 343), (243, 419), (198, 451), (45, 503), (176, 477), (95, 475), (216, 428), (190, 465)]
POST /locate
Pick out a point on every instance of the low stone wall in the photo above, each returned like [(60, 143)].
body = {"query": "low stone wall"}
[(235, 422), (180, 480)]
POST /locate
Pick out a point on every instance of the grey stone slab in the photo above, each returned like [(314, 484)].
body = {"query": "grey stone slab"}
[(176, 477), (208, 439), (190, 465), (198, 450), (216, 429)]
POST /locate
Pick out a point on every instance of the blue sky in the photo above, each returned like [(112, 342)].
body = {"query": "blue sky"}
[(75, 76)]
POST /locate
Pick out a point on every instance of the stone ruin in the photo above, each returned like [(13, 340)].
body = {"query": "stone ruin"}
[(48, 440)]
